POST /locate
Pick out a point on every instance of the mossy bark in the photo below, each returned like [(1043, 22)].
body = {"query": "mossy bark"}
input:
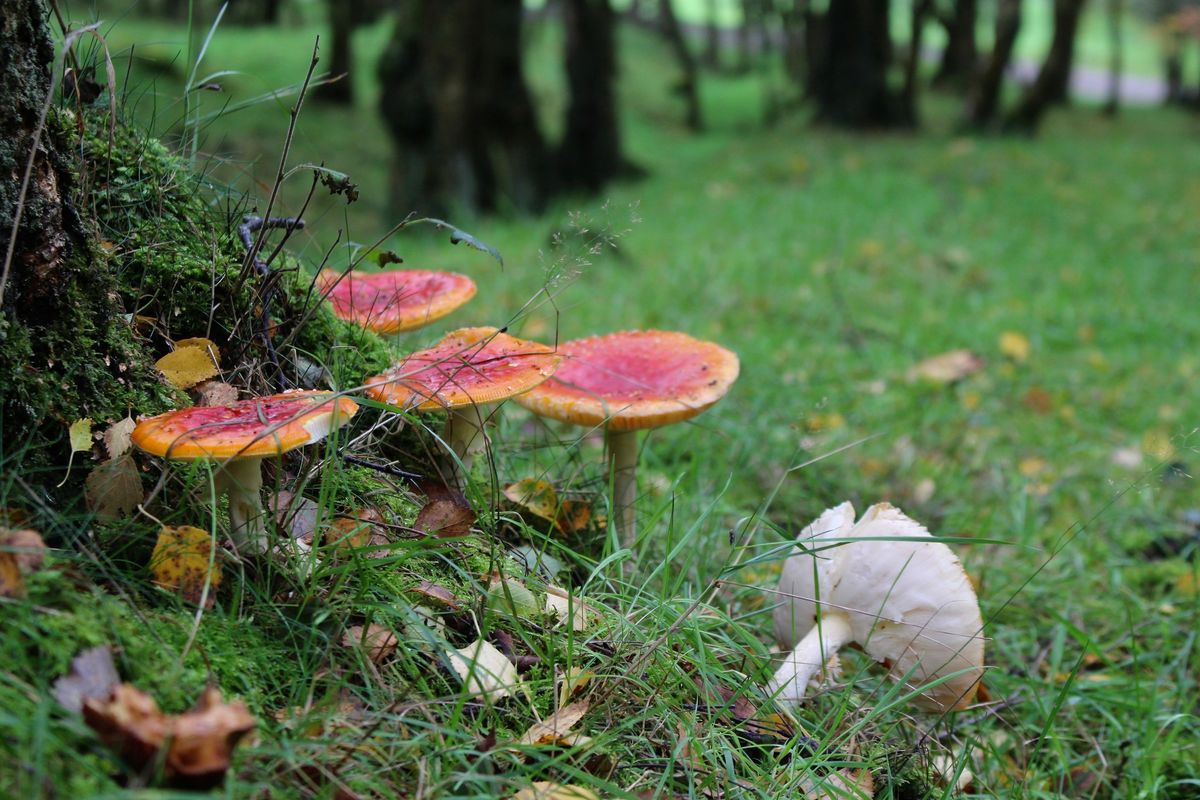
[(121, 248)]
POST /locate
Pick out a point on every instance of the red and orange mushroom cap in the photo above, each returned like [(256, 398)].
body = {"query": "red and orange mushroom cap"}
[(470, 366), (396, 300), (262, 426), (634, 380)]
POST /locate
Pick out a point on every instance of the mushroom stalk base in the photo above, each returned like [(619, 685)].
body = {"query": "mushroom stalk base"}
[(622, 465), (464, 433), (808, 658), (241, 480)]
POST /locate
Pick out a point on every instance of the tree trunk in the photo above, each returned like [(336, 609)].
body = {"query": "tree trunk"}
[(1053, 80), (341, 53), (983, 102), (1173, 72), (688, 86), (960, 59), (850, 52), (455, 99), (1115, 9), (712, 35), (920, 13), (590, 153), (66, 351)]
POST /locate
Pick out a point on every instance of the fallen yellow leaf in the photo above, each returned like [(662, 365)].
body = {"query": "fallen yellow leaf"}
[(188, 366), (183, 562), (1014, 345), (556, 726)]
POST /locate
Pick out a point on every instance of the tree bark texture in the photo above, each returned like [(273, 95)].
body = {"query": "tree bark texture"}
[(455, 99), (65, 349), (1053, 79), (341, 53), (983, 101), (590, 152), (688, 86), (850, 53), (960, 59)]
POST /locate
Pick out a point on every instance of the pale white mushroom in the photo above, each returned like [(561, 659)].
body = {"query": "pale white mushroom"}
[(906, 601)]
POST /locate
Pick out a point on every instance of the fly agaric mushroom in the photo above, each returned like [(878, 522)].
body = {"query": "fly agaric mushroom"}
[(629, 381), (907, 602), (396, 300), (468, 368), (238, 437)]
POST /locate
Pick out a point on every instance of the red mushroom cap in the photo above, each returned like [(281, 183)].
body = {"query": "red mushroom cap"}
[(397, 300), (633, 380), (470, 366), (261, 426)]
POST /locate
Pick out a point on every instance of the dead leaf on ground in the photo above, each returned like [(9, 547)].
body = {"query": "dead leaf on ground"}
[(945, 368), (11, 582), (25, 546), (378, 641), (117, 437), (445, 519), (1015, 346), (484, 670), (556, 727), (1038, 400), (188, 365), (199, 742), (572, 683), (295, 517), (216, 393), (80, 434), (180, 563), (540, 498), (92, 676), (569, 610), (114, 488), (434, 595), (548, 790), (359, 531), (845, 784)]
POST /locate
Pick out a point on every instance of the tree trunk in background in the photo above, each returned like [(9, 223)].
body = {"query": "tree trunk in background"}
[(850, 52), (689, 79), (638, 10), (1115, 9), (712, 36), (960, 59), (455, 99), (341, 14), (983, 101), (1053, 80), (1173, 71), (65, 348), (590, 153), (908, 99)]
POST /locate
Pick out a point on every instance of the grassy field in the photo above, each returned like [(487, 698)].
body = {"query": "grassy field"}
[(832, 264)]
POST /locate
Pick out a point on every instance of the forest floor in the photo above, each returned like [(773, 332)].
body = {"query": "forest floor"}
[(834, 265)]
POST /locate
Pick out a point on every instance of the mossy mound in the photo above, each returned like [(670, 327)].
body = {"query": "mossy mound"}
[(156, 258)]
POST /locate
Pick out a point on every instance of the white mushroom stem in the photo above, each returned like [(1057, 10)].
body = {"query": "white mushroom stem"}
[(820, 644), (240, 479), (464, 434), (622, 466)]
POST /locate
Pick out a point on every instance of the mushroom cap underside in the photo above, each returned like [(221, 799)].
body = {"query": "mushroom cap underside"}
[(634, 380), (909, 603), (469, 366), (257, 427), (396, 300)]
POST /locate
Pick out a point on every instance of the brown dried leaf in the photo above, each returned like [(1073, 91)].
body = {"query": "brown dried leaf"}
[(92, 675), (949, 367), (201, 740), (187, 366), (180, 563), (359, 531), (378, 641), (117, 437), (11, 582), (556, 726), (114, 488), (25, 546), (445, 519), (295, 516), (548, 790), (216, 393), (436, 595)]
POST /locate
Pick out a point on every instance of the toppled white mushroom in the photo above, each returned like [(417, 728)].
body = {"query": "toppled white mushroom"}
[(879, 583)]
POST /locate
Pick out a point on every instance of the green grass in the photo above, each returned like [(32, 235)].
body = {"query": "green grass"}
[(831, 263)]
